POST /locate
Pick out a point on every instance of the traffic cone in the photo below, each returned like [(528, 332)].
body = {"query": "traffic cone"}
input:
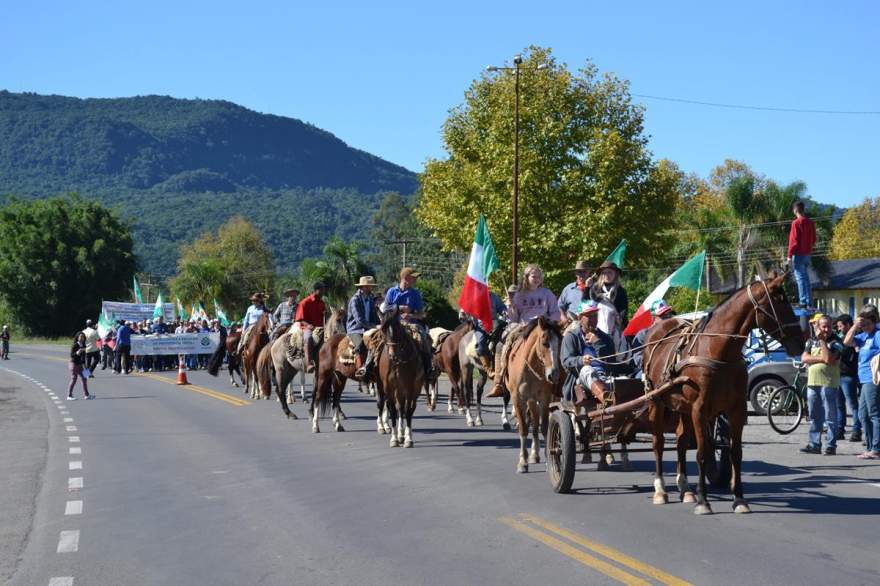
[(181, 373)]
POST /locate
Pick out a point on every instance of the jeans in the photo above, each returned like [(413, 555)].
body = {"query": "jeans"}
[(76, 371), (800, 264), (848, 397), (822, 402), (869, 411), (92, 359)]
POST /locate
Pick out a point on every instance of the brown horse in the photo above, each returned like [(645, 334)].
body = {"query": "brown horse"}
[(264, 371), (400, 377), (446, 360), (468, 363), (707, 361), (533, 369), (258, 338), (228, 348)]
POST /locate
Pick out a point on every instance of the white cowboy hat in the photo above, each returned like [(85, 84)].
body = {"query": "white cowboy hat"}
[(367, 281)]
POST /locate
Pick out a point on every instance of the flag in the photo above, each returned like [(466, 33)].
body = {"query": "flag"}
[(159, 309), (194, 313), (137, 290), (181, 310), (224, 321), (202, 313), (689, 275), (105, 324), (474, 299), (618, 254)]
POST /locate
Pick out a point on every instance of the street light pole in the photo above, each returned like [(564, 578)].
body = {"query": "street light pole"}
[(515, 239)]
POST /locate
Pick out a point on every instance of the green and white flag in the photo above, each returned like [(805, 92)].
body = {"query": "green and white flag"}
[(137, 290), (181, 310), (218, 311), (105, 324), (159, 309), (618, 254)]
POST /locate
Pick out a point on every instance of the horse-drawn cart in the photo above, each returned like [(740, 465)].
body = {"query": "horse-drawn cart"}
[(623, 414)]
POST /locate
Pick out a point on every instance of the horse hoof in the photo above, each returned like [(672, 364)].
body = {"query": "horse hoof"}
[(316, 430), (478, 423), (688, 497), (394, 443), (381, 431), (339, 427), (470, 423), (408, 444), (741, 507), (505, 426), (522, 468), (460, 410), (609, 458), (702, 510), (430, 408), (449, 409), (660, 499)]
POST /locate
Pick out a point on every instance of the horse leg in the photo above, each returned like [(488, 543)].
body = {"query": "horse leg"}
[(625, 464), (480, 385), (380, 418), (302, 384), (392, 412), (520, 412), (338, 385), (535, 420), (736, 419), (656, 417), (505, 422), (282, 376), (683, 433), (410, 409), (703, 507), (231, 368)]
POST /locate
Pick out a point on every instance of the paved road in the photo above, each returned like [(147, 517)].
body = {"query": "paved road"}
[(191, 485)]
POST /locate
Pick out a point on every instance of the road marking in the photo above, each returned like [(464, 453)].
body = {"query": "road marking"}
[(61, 581), (75, 451), (75, 465), (75, 483), (608, 552), (877, 485), (574, 553), (68, 420), (73, 508), (68, 541), (74, 439), (197, 389), (71, 428)]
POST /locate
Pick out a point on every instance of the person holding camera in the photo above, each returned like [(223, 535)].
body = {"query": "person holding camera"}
[(865, 336), (822, 354)]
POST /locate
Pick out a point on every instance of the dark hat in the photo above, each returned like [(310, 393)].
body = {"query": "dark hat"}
[(609, 265), (582, 265), (409, 272), (257, 297), (318, 285)]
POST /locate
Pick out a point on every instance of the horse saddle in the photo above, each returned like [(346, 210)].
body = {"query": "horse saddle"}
[(438, 336), (346, 354)]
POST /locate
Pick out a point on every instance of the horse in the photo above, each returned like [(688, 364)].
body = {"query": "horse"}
[(468, 362), (533, 369), (701, 364), (446, 360), (400, 378), (258, 338), (226, 348), (264, 371)]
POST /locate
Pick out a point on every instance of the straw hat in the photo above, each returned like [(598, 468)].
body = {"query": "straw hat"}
[(366, 281)]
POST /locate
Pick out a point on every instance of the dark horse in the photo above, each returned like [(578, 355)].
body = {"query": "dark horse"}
[(400, 377), (446, 360), (705, 363), (227, 347), (258, 338)]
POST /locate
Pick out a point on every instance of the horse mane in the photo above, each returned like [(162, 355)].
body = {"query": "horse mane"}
[(545, 324)]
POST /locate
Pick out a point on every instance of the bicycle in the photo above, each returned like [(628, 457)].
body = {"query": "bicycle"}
[(787, 405)]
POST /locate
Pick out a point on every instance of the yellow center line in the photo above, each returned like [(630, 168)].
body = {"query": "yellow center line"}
[(574, 553), (197, 389), (608, 552)]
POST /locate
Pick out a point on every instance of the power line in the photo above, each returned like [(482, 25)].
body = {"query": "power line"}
[(761, 108)]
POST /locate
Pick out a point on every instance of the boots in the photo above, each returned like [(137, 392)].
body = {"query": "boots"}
[(488, 366), (365, 372), (307, 355)]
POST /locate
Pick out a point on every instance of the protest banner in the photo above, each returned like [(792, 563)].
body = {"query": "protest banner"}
[(135, 311), (198, 343)]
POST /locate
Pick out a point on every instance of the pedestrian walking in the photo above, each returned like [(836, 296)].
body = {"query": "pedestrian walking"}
[(4, 343), (822, 354), (123, 348), (849, 384), (93, 353), (801, 239), (76, 366), (865, 336)]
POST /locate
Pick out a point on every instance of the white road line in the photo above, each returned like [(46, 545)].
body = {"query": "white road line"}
[(68, 420), (876, 484), (75, 451), (75, 483), (71, 428), (75, 465), (74, 439), (68, 541), (73, 508), (61, 581)]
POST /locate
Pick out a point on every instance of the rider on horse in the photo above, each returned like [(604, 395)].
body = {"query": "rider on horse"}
[(482, 333), (583, 354), (309, 316), (285, 311), (363, 315), (252, 316), (408, 301), (531, 301), (660, 310)]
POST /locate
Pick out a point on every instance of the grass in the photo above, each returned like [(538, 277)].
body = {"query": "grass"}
[(34, 340)]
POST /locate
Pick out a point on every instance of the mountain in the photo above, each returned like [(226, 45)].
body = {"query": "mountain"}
[(177, 167)]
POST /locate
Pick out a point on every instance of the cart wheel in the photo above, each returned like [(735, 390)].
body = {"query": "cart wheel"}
[(560, 451), (718, 470)]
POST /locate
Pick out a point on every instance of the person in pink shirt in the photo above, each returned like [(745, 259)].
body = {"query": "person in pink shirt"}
[(533, 300)]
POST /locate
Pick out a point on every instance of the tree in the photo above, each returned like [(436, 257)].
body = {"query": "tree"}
[(228, 266), (59, 258), (857, 234), (339, 269), (586, 175)]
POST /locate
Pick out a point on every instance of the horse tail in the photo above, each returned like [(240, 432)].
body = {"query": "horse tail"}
[(324, 389), (216, 360)]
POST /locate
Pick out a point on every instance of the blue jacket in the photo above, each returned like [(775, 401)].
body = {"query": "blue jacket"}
[(575, 347), (360, 317), (123, 336)]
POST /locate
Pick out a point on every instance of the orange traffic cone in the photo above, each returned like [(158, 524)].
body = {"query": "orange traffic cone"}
[(181, 373)]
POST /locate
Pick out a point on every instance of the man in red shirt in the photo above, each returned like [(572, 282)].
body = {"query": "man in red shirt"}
[(310, 315), (801, 239)]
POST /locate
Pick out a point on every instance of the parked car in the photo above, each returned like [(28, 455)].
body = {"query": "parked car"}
[(766, 374)]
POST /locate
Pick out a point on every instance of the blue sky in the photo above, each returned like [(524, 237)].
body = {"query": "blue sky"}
[(383, 75)]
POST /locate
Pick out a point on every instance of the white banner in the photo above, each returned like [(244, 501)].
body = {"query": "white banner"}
[(134, 311), (204, 343)]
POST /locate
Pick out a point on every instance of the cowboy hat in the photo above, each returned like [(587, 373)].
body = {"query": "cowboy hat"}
[(608, 264), (290, 292), (366, 281), (409, 272), (582, 265)]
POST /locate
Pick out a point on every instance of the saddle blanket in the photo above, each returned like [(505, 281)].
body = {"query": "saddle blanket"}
[(346, 353), (438, 335), (294, 339)]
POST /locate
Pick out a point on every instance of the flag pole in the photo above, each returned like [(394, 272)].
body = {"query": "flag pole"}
[(699, 287)]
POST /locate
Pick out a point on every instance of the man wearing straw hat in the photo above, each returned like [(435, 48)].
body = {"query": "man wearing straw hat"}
[(285, 311), (573, 293), (363, 315), (252, 316)]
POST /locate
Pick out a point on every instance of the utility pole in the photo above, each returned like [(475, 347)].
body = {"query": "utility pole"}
[(404, 242)]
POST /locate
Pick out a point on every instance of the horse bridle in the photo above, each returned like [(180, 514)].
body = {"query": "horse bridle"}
[(534, 351), (780, 327)]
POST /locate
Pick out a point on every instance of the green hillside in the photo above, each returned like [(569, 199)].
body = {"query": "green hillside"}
[(175, 168)]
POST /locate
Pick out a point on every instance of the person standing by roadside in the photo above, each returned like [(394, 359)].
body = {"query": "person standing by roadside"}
[(107, 349), (4, 343), (123, 348), (865, 336), (76, 364), (93, 353), (849, 383), (822, 354), (801, 239)]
